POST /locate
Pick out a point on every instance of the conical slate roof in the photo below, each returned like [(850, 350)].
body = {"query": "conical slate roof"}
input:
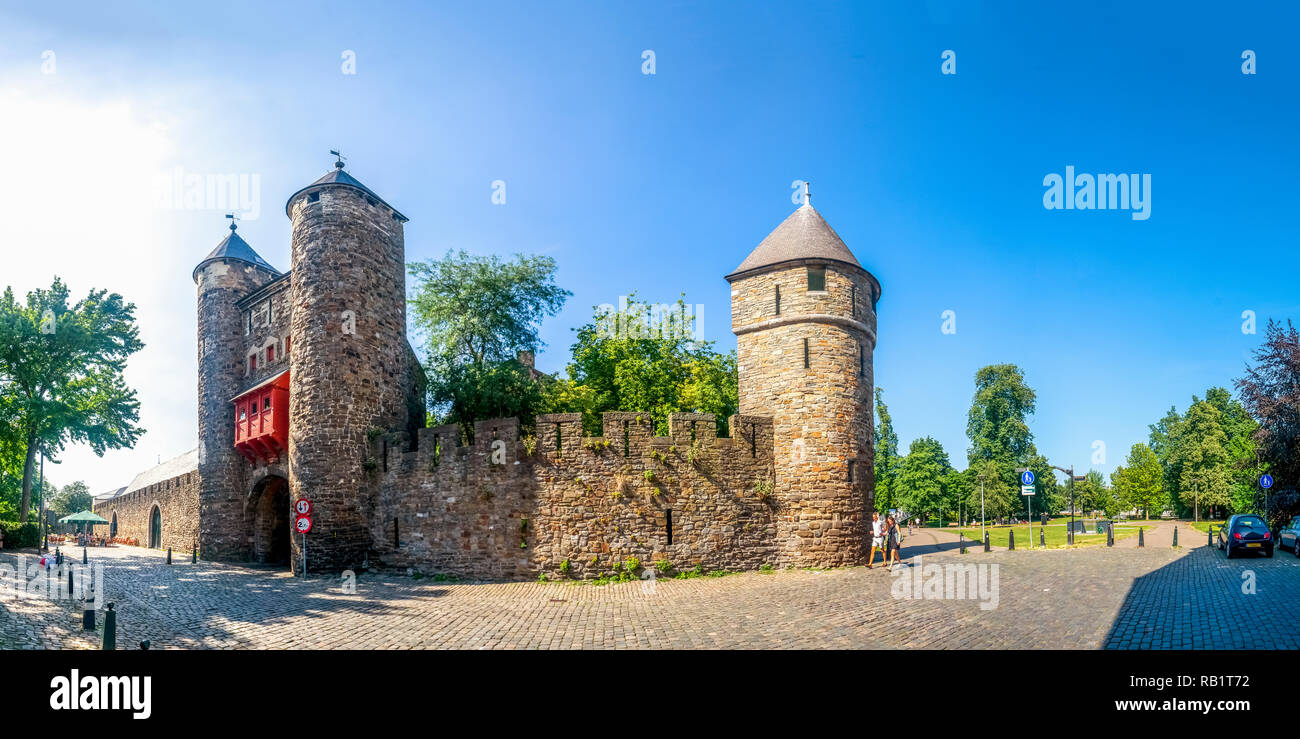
[(802, 235), (234, 247), (338, 177)]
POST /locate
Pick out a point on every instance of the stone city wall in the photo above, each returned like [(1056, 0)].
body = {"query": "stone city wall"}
[(512, 507), (177, 500)]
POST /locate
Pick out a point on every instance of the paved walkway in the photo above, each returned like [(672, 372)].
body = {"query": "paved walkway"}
[(1082, 598)]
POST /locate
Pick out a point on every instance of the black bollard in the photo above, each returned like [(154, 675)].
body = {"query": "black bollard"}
[(1042, 538), (1209, 536), (1110, 534), (962, 540), (88, 615), (1175, 536), (69, 582), (169, 555), (1011, 540), (144, 644), (1141, 541), (110, 629), (986, 541), (194, 559), (84, 559)]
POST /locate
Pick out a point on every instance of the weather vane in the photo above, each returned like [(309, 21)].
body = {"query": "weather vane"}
[(234, 220), (339, 163)]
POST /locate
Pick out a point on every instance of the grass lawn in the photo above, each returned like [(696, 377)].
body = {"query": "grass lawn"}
[(999, 535), (1202, 526)]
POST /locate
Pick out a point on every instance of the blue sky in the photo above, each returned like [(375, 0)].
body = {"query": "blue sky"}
[(663, 183)]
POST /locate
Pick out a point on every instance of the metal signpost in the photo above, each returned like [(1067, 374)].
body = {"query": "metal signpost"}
[(1027, 490), (1266, 482), (302, 524)]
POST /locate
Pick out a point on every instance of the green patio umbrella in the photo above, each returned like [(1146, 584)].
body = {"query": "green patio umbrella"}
[(84, 517)]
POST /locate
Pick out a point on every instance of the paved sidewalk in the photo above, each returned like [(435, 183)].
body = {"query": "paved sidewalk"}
[(1075, 599)]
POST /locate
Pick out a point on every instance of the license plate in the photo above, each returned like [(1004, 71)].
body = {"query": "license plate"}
[(1249, 546)]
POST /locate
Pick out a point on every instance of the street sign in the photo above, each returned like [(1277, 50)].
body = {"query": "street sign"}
[(1026, 489), (1266, 481), (302, 524), (1027, 477), (302, 507)]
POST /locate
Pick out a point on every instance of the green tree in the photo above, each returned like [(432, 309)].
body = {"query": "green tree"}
[(887, 461), (61, 372), (999, 494), (477, 314), (1141, 484), (643, 358), (1199, 453), (73, 498), (922, 478), (997, 424)]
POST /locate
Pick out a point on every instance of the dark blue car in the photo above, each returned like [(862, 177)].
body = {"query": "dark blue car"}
[(1245, 532)]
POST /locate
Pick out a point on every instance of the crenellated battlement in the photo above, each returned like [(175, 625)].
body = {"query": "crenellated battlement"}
[(507, 505)]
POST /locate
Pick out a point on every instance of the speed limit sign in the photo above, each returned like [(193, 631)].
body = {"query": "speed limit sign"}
[(302, 524), (302, 507)]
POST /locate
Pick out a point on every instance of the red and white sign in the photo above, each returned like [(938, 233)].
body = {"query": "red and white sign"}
[(302, 507), (302, 524)]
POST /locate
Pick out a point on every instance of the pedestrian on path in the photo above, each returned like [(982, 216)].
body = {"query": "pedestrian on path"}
[(892, 535), (877, 540)]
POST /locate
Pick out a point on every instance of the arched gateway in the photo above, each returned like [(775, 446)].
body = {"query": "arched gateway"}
[(269, 505)]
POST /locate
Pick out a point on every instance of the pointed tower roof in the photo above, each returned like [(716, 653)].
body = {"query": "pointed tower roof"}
[(336, 177), (804, 234), (234, 247)]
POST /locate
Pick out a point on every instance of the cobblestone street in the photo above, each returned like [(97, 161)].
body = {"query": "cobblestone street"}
[(1076, 599)]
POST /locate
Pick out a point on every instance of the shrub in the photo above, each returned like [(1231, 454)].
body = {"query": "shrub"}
[(20, 535)]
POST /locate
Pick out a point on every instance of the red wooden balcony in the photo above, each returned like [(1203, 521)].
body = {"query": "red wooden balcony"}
[(262, 420)]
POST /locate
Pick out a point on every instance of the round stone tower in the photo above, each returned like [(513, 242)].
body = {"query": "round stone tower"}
[(347, 371), (804, 313), (230, 272)]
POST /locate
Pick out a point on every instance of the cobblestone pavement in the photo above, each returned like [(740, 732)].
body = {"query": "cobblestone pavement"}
[(1086, 598)]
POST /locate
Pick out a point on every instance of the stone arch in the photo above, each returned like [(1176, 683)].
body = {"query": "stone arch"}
[(269, 509)]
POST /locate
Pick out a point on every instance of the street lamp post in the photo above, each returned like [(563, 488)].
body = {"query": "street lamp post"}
[(982, 534)]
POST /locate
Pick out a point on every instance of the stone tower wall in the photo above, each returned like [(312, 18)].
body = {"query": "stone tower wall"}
[(349, 274), (822, 413), (223, 473), (177, 499)]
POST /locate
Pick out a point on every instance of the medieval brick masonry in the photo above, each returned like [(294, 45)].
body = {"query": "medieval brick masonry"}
[(791, 485)]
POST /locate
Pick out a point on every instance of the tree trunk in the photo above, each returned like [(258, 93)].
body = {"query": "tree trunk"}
[(28, 467)]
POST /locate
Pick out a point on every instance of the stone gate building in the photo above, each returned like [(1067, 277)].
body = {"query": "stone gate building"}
[(308, 390)]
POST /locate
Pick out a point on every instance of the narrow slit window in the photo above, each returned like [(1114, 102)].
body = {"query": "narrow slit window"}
[(853, 301), (850, 470), (397, 543), (778, 300), (627, 440), (668, 525), (806, 363), (862, 361), (816, 279), (557, 437), (753, 441)]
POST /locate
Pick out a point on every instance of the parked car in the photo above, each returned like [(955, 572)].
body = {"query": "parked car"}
[(1289, 536), (1245, 532)]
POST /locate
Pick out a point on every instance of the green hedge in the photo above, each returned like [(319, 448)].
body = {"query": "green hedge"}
[(20, 535)]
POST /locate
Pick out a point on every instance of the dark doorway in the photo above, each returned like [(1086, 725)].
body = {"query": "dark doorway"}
[(271, 521), (155, 528), (112, 527)]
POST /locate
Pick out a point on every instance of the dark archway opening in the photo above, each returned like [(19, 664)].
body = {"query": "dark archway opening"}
[(112, 527), (271, 521), (155, 528)]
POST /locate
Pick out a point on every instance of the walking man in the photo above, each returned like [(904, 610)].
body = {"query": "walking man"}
[(877, 540)]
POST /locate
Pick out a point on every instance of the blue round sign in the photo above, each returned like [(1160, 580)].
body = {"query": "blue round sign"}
[(1266, 481), (1027, 477)]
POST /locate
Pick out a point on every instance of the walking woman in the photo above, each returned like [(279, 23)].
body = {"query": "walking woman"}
[(893, 541)]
